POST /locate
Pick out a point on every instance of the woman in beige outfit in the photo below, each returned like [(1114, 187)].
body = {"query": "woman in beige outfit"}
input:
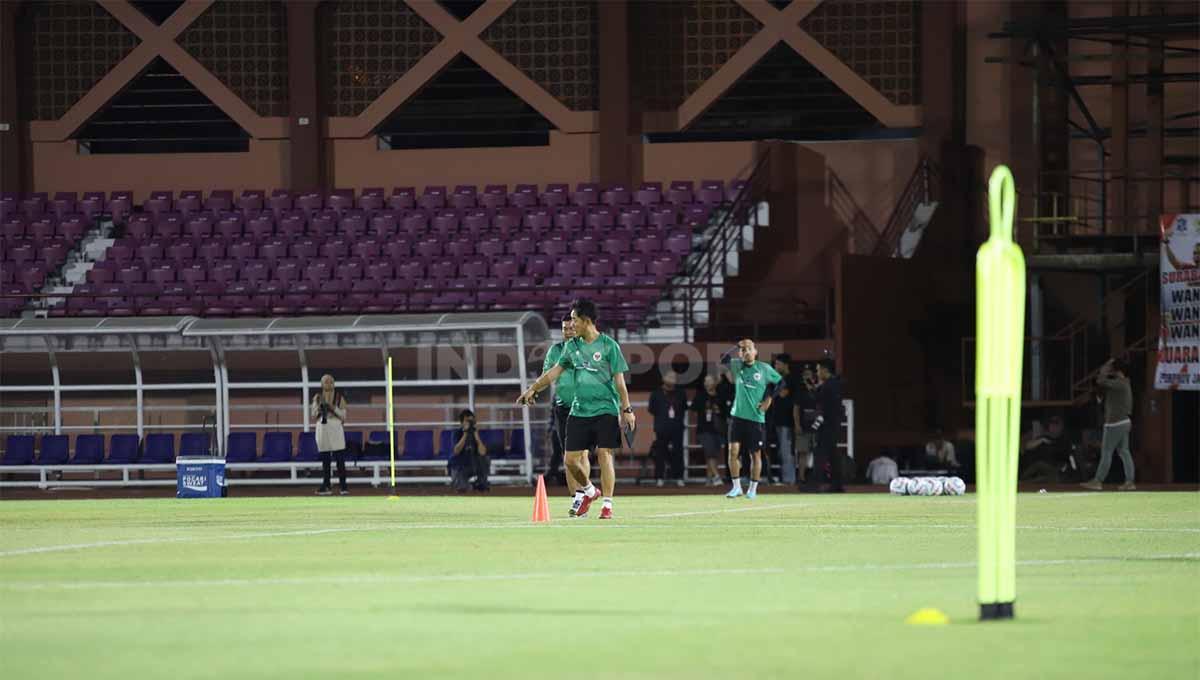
[(329, 409)]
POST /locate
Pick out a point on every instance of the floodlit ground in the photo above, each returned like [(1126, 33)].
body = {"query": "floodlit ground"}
[(677, 587)]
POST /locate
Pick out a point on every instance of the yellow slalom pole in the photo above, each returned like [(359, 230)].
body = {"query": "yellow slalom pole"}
[(391, 430), (1000, 343)]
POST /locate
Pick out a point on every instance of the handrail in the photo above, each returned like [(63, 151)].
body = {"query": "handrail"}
[(843, 204), (921, 188)]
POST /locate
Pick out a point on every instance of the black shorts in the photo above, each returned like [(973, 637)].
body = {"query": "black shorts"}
[(561, 413), (601, 432), (748, 434)]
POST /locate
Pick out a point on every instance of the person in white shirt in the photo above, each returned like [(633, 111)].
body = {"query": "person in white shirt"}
[(940, 452), (328, 408)]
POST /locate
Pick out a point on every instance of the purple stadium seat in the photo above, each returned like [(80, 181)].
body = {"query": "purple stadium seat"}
[(712, 192), (617, 244), (429, 248), (634, 265), (277, 447), (339, 202), (260, 227), (443, 269), (398, 249), (586, 193), (490, 247), (304, 249), (445, 224), (663, 267), (336, 249), (415, 223), (632, 217), (523, 196), (251, 200), (131, 275), (380, 271), (221, 199), (601, 266), (554, 247), (570, 266), (616, 195), (63, 203), (323, 224), (434, 198), (307, 451), (649, 193), (92, 203), (461, 248), (199, 227), (648, 245), (402, 198), (539, 265), (368, 249), (569, 219), (475, 268), (476, 222), (601, 218), (122, 449), (463, 197), (279, 202), (696, 214), (506, 268), (140, 226), (12, 228), (169, 225), (193, 444), (413, 270), (586, 244), (89, 450), (229, 227), (494, 196), (679, 243), (159, 449), (508, 222), (310, 203), (211, 251), (350, 270), (42, 229), (53, 450), (241, 448), (384, 224), (680, 193), (18, 450), (663, 217)]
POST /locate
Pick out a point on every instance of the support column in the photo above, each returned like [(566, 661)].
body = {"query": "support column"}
[(1119, 188), (12, 128), (618, 143), (1153, 165), (305, 115)]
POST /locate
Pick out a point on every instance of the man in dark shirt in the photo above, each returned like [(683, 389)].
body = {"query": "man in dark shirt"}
[(711, 425), (828, 424), (668, 404), (470, 457), (782, 418), (803, 414)]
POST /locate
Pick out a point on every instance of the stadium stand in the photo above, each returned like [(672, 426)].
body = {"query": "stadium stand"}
[(363, 252)]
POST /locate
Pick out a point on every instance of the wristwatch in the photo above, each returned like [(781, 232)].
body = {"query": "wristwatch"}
[(627, 410)]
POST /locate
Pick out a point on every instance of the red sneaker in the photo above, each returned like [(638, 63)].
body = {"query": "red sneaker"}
[(606, 512), (587, 503)]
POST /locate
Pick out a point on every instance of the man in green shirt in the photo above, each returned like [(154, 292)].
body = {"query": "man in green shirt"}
[(600, 406), (747, 420), (564, 394)]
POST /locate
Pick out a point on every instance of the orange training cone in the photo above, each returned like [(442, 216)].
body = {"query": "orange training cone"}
[(541, 505)]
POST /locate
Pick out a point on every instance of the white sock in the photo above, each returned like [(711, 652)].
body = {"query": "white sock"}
[(589, 490), (608, 502), (737, 483), (754, 486)]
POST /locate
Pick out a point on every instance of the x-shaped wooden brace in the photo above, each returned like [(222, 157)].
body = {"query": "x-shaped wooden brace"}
[(462, 37), (784, 26), (159, 41)]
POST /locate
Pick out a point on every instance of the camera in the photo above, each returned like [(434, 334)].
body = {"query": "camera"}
[(324, 409)]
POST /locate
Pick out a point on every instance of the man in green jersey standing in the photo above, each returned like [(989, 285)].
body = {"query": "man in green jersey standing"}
[(747, 420), (600, 407), (564, 394)]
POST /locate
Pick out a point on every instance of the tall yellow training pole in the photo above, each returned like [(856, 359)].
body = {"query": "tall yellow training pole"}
[(1000, 343), (391, 430)]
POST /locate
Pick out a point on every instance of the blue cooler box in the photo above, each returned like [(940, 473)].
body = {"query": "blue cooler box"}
[(199, 477)]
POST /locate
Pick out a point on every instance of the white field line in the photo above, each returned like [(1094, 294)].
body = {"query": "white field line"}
[(752, 508), (566, 524), (367, 579)]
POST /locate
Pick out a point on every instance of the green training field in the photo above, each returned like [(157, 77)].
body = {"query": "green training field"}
[(677, 587)]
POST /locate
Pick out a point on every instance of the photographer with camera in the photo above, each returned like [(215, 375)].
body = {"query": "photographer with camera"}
[(470, 458), (329, 409)]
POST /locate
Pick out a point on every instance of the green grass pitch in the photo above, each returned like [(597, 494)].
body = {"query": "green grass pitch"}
[(785, 586)]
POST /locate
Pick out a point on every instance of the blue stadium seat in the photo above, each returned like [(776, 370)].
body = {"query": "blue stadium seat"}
[(494, 441), (353, 439), (376, 445), (54, 450), (159, 448), (516, 445), (277, 447), (418, 444), (241, 448), (446, 443), (194, 444), (18, 450), (122, 449), (89, 449), (308, 452)]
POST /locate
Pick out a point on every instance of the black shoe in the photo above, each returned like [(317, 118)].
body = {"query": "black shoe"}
[(324, 491), (344, 492)]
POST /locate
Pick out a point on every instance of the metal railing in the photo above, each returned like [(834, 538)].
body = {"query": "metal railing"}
[(922, 188), (1063, 364)]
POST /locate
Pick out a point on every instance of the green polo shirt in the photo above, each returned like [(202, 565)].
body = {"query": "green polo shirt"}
[(595, 365), (750, 382)]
